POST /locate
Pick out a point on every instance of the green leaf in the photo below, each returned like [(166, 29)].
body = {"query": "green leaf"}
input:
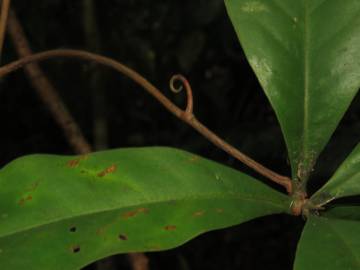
[(75, 210), (351, 212), (345, 181), (330, 244), (306, 55)]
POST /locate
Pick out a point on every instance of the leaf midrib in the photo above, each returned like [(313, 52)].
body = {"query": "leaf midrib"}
[(306, 73), (213, 197)]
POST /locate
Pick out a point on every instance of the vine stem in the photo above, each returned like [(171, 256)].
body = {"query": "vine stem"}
[(5, 6), (185, 115)]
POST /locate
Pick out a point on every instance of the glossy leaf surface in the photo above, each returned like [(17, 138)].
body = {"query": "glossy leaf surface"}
[(306, 55), (330, 244), (345, 181), (61, 212)]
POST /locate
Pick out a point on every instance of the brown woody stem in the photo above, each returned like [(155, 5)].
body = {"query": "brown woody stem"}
[(5, 6), (46, 90), (185, 115)]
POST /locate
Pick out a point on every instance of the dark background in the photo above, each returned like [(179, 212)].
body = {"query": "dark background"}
[(159, 39)]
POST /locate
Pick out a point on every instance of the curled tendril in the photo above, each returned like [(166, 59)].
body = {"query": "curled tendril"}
[(184, 84), (173, 88)]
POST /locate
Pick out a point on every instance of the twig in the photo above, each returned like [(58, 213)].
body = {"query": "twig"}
[(138, 261), (3, 19), (186, 116), (46, 90), (53, 101)]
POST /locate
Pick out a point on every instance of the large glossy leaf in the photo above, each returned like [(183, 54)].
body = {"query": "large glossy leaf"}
[(330, 244), (306, 55), (61, 212), (345, 181)]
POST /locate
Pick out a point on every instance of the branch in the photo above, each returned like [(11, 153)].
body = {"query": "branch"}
[(185, 115), (3, 19), (46, 90)]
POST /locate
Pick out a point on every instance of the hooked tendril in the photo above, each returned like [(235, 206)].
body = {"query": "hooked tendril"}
[(184, 83)]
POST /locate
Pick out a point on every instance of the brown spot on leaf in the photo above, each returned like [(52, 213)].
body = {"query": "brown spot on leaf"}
[(72, 229), (133, 213), (73, 163), (123, 237), (108, 170), (23, 200), (170, 227), (198, 213), (75, 248), (129, 214)]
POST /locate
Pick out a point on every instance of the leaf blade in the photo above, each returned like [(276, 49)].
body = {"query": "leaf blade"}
[(329, 244), (307, 63), (344, 182), (347, 212), (119, 201)]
